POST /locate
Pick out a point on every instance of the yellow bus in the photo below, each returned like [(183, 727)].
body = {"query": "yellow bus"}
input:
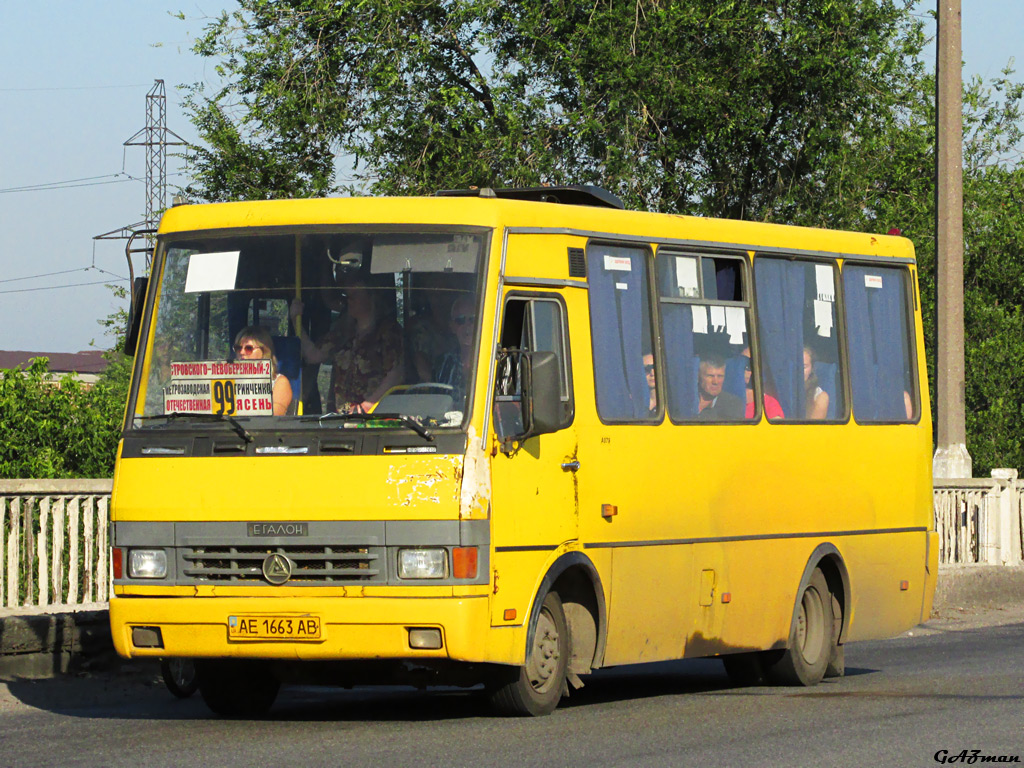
[(509, 437)]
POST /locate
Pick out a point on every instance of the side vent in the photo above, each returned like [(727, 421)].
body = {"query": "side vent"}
[(221, 448), (577, 262), (334, 446)]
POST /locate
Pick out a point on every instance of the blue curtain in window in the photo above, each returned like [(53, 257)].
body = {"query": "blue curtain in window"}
[(879, 358), (780, 302), (680, 361), (620, 333), (725, 281)]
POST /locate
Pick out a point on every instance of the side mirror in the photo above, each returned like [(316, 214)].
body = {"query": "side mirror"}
[(544, 394), (527, 398), (131, 338)]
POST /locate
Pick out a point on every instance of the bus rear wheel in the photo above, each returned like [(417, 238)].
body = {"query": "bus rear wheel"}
[(233, 688), (536, 687), (810, 639)]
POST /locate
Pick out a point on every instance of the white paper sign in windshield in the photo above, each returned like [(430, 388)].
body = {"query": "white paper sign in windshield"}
[(239, 388), (211, 272)]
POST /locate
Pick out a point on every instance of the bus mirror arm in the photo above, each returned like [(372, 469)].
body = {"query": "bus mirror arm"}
[(529, 403), (138, 300)]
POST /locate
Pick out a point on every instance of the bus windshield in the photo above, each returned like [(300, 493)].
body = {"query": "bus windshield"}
[(300, 326)]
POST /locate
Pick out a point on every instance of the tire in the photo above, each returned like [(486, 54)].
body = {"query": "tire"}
[(810, 638), (179, 676), (233, 688), (536, 688), (837, 659)]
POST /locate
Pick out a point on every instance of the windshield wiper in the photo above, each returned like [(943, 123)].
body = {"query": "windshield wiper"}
[(412, 422), (231, 421)]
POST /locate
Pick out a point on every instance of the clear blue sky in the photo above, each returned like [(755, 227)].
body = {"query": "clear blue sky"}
[(73, 81)]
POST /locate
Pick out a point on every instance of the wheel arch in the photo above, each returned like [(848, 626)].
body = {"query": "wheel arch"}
[(578, 584), (828, 558)]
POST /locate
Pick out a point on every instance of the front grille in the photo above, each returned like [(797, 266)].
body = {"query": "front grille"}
[(310, 565)]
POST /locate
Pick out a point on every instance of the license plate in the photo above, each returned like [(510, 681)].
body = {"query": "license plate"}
[(273, 627)]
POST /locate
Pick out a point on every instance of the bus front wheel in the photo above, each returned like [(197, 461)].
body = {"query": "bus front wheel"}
[(537, 687), (179, 676), (235, 688), (810, 639)]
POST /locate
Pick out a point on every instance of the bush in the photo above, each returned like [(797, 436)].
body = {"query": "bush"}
[(61, 429)]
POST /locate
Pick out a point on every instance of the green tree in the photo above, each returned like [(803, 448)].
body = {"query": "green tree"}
[(63, 428), (58, 429), (893, 185), (711, 107)]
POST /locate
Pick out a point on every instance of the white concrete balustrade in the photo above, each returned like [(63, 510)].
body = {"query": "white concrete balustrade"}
[(53, 542), (54, 548), (979, 519)]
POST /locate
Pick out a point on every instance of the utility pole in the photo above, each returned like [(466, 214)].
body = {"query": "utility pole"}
[(155, 137), (951, 456)]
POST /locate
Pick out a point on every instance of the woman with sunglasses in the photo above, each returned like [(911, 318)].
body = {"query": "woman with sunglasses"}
[(254, 343)]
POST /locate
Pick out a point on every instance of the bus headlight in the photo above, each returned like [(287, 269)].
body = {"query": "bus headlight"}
[(147, 564), (421, 563)]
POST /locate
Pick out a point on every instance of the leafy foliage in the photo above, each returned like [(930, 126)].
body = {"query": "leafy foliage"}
[(732, 109), (61, 429)]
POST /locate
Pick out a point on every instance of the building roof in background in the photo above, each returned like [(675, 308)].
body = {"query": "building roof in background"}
[(88, 361)]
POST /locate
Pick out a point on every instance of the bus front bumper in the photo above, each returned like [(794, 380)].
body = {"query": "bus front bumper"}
[(353, 628)]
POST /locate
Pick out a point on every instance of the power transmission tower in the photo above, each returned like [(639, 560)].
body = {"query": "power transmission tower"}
[(156, 137)]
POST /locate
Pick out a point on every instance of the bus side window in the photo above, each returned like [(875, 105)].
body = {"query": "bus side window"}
[(620, 329), (704, 307), (799, 338), (883, 371)]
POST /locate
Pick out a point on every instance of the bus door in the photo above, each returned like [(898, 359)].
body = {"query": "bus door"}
[(534, 499)]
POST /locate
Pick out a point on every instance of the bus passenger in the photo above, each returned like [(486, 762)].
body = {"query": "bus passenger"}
[(713, 403), (430, 330), (652, 383), (369, 362), (322, 348), (815, 398), (254, 343), (772, 408)]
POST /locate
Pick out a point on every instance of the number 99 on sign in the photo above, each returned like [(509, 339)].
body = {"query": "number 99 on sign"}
[(223, 391)]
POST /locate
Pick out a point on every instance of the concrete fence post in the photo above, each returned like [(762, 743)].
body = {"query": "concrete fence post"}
[(1008, 524), (988, 526)]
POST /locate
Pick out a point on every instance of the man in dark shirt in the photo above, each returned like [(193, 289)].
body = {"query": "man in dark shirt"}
[(713, 403)]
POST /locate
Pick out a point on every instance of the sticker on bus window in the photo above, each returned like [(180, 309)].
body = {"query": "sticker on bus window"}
[(700, 318), (823, 276), (823, 317), (735, 324), (872, 281), (238, 388), (686, 277), (211, 272), (718, 318), (617, 263)]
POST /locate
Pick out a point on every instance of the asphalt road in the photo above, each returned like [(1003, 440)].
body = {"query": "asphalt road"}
[(902, 702)]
